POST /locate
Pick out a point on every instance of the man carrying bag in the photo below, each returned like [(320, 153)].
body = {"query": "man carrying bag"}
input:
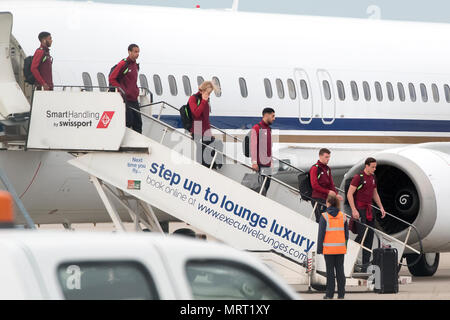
[(261, 154)]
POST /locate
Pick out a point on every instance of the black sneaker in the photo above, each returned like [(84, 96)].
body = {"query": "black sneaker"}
[(342, 298), (325, 297)]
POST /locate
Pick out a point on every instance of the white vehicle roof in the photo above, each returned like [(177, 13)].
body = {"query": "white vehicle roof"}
[(49, 249)]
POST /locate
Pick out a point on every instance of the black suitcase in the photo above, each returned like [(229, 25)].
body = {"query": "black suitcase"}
[(387, 260)]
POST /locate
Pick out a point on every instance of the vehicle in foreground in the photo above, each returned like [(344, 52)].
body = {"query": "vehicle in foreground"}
[(77, 265)]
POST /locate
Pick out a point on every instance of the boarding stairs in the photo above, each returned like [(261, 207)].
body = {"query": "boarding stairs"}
[(289, 196), (155, 174)]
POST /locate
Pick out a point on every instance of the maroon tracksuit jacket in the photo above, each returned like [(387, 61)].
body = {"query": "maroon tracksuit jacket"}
[(261, 144), (200, 114), (323, 185), (41, 67), (127, 81)]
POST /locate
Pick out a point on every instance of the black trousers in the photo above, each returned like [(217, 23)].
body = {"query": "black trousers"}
[(267, 184), (335, 262), (369, 237), (204, 155), (133, 118), (321, 207)]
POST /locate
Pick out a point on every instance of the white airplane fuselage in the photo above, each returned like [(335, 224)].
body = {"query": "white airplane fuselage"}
[(90, 37), (358, 86)]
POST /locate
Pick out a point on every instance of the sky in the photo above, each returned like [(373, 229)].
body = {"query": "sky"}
[(406, 10)]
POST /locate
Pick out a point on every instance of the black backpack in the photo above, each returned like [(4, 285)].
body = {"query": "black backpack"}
[(304, 183), (246, 142), (29, 77), (186, 115), (122, 72)]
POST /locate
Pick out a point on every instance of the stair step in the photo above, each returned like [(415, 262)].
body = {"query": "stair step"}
[(361, 275), (13, 138)]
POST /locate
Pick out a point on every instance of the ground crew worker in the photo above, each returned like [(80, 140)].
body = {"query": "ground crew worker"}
[(261, 146), (41, 66), (125, 76), (362, 190), (332, 243), (322, 183)]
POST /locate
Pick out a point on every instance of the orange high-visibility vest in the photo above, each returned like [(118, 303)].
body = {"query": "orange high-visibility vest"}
[(334, 242)]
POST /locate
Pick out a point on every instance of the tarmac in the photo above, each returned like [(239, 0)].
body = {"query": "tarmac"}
[(436, 287)]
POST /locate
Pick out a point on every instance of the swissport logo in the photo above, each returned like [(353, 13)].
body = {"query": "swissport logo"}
[(105, 119)]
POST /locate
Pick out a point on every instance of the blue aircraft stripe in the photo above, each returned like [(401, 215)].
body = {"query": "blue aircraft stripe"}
[(285, 123)]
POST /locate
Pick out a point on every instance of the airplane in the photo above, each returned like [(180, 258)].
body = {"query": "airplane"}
[(359, 87)]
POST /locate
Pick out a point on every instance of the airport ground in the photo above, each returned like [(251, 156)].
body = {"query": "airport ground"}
[(436, 287)]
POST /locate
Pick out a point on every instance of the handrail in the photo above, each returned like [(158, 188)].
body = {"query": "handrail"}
[(164, 103), (91, 87), (302, 264), (218, 151), (404, 244), (383, 233), (292, 189), (231, 136)]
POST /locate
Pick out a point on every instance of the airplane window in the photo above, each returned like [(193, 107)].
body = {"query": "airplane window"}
[(412, 92), (200, 80), (366, 89), (187, 86), (173, 85), (87, 81), (218, 90), (447, 92), (304, 89), (435, 90), (102, 82), (401, 91), (355, 92), (158, 84), (423, 91), (326, 89), (291, 89), (390, 91), (243, 86), (280, 88), (340, 90), (378, 91), (143, 81), (268, 87)]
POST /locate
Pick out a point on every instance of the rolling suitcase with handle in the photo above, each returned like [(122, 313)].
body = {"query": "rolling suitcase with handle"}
[(387, 260)]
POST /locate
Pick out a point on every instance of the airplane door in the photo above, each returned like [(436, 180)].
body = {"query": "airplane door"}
[(327, 97), (304, 96), (12, 99), (6, 21)]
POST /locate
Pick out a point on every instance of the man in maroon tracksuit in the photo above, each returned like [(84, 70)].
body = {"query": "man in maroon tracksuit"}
[(41, 66), (261, 146), (322, 183), (125, 76), (362, 190)]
